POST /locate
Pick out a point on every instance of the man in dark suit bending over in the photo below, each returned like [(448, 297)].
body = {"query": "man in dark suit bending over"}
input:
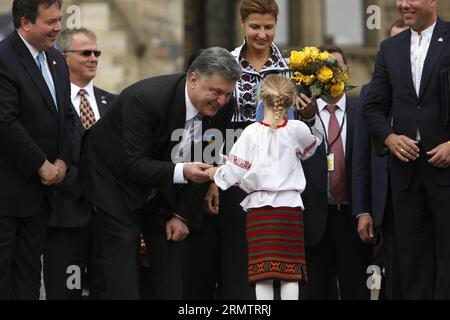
[(129, 160)]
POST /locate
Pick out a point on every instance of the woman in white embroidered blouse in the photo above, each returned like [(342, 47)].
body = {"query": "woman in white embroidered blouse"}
[(265, 163)]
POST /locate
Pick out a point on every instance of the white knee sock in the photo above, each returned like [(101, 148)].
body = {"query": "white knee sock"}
[(289, 290), (264, 290)]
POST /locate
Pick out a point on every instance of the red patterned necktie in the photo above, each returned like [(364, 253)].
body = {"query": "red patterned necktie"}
[(87, 115), (337, 177)]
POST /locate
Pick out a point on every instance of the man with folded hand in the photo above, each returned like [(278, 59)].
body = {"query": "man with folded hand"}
[(407, 85), (36, 126)]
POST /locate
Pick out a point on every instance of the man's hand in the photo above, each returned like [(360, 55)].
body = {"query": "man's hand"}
[(440, 156), (403, 148), (176, 230), (211, 202), (62, 169), (196, 172), (49, 174), (306, 107), (365, 228)]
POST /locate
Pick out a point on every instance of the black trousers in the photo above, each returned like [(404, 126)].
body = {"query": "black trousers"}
[(66, 256), (392, 290), (234, 283), (422, 220), (186, 270), (339, 254), (22, 242), (115, 263)]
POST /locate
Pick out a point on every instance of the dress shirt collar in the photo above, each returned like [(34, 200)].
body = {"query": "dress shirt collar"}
[(191, 111), (426, 34), (34, 52), (76, 89), (341, 104)]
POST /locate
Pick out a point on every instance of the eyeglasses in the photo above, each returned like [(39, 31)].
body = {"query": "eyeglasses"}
[(87, 53)]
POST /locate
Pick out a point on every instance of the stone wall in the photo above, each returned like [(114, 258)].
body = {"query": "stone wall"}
[(139, 38), (142, 38)]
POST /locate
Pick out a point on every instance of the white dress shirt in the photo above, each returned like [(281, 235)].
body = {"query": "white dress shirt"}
[(34, 53), (325, 116), (191, 112), (420, 43), (323, 125), (90, 95)]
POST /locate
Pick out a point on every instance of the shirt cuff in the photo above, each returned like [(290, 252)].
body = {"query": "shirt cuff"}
[(309, 122), (362, 214), (180, 217), (178, 175)]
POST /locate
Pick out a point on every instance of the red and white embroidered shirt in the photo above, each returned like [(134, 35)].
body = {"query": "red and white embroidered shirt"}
[(266, 164)]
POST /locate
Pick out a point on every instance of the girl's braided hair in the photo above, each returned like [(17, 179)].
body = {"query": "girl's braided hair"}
[(278, 92)]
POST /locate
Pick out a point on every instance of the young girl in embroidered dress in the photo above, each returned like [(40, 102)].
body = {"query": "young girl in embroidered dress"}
[(265, 162)]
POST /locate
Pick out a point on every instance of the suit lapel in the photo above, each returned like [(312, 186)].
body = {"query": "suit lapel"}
[(350, 131), (78, 123), (56, 79), (434, 52), (177, 114), (32, 68), (102, 101), (405, 60)]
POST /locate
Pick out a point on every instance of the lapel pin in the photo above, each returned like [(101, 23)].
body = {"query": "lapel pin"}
[(54, 62), (104, 100), (440, 40)]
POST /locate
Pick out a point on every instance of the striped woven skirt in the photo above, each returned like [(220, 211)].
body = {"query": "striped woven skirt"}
[(276, 244)]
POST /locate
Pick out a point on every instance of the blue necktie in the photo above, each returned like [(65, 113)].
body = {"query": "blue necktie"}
[(46, 75)]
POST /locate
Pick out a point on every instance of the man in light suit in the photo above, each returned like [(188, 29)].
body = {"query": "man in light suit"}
[(128, 162), (333, 248), (406, 84), (36, 127), (68, 247)]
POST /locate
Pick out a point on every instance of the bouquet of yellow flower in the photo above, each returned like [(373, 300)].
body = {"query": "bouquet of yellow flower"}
[(319, 73)]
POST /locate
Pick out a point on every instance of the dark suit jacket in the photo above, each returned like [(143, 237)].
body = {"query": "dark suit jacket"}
[(31, 128), (370, 170), (128, 153), (392, 92), (72, 209), (315, 196)]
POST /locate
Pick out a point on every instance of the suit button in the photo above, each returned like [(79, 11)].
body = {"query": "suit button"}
[(419, 107)]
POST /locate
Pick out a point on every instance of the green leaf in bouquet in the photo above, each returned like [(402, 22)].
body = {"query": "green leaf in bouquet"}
[(330, 63), (326, 97), (316, 89), (312, 67), (349, 88), (302, 89)]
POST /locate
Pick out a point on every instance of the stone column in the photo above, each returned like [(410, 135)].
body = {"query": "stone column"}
[(307, 22)]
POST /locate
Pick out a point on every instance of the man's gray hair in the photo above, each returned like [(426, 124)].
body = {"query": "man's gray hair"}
[(64, 41), (216, 61)]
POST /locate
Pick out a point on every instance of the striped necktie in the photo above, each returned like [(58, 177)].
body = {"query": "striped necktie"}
[(42, 66), (193, 127)]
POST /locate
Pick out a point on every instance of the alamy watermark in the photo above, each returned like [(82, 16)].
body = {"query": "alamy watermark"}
[(74, 17)]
